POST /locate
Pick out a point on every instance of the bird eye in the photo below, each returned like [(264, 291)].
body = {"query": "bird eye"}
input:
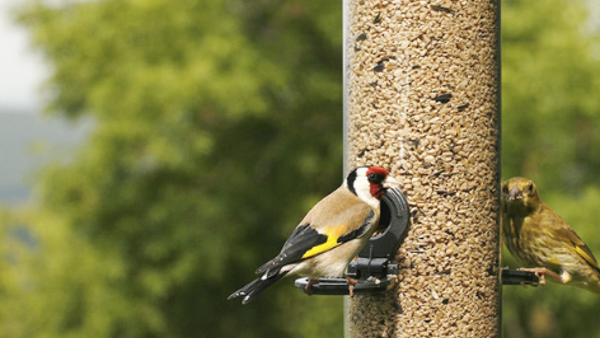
[(372, 177), (530, 188), (505, 189)]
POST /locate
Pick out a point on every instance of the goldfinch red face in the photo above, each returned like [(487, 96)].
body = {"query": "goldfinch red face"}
[(370, 183)]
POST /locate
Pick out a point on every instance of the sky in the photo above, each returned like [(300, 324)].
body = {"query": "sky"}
[(28, 140), (22, 70)]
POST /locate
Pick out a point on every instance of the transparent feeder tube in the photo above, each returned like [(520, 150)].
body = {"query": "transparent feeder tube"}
[(422, 98)]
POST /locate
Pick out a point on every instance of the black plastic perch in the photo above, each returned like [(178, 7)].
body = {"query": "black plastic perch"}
[(373, 266), (518, 277)]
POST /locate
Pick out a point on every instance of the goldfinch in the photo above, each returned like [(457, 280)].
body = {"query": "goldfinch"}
[(330, 235), (542, 241)]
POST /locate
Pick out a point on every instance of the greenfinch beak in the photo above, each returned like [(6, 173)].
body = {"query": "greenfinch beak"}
[(514, 194)]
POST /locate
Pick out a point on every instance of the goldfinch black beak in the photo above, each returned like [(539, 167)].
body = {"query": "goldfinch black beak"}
[(390, 182)]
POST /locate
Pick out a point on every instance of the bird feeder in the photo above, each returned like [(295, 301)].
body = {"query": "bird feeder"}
[(422, 98)]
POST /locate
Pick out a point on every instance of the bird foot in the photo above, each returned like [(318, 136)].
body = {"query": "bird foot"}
[(310, 283), (351, 283), (541, 274)]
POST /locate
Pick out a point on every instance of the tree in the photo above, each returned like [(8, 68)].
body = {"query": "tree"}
[(217, 124)]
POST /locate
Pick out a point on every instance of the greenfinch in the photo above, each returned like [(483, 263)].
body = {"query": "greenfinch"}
[(542, 241)]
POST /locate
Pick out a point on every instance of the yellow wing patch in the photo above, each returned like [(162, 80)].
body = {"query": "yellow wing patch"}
[(554, 261), (332, 233), (586, 256)]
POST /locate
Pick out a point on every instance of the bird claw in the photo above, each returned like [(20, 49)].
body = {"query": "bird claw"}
[(308, 287), (351, 283), (542, 278), (541, 273)]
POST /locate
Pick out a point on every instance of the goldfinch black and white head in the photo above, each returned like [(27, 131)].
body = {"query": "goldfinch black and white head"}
[(330, 235), (370, 183)]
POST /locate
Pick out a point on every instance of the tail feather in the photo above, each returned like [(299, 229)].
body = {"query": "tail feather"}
[(257, 286), (593, 287)]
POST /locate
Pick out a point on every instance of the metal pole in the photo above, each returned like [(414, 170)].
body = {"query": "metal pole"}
[(422, 98)]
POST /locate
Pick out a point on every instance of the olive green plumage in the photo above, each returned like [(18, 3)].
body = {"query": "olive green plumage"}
[(542, 241)]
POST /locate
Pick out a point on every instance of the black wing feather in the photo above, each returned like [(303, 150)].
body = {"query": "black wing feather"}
[(358, 232), (302, 239), (256, 287), (305, 238)]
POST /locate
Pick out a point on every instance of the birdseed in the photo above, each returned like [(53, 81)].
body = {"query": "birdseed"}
[(422, 100)]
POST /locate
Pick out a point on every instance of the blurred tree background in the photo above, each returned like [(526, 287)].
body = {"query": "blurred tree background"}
[(217, 125)]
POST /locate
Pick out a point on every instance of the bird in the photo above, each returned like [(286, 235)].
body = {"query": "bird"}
[(330, 235), (542, 241)]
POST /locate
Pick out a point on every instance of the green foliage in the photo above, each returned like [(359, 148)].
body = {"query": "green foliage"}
[(217, 124), (212, 118), (549, 82)]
